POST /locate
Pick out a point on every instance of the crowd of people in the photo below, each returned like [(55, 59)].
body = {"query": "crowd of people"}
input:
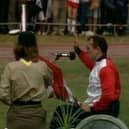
[(64, 15)]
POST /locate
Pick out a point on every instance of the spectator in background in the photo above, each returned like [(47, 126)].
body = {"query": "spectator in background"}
[(72, 6), (83, 16), (15, 7), (114, 12), (108, 16), (15, 12), (32, 11), (4, 5), (94, 15), (44, 15), (121, 16), (59, 16)]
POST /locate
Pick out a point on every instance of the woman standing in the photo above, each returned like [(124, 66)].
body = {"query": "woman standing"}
[(59, 16), (72, 15), (23, 84)]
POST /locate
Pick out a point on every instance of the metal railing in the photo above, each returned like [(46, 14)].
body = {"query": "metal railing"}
[(23, 28)]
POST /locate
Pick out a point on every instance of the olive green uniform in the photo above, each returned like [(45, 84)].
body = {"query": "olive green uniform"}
[(22, 87)]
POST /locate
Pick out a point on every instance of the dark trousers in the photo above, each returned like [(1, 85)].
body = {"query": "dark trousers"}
[(83, 15), (70, 114), (20, 116)]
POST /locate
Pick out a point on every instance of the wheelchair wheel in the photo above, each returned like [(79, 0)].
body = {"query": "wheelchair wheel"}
[(101, 122)]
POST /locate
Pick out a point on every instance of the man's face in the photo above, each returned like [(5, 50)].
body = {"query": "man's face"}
[(92, 52)]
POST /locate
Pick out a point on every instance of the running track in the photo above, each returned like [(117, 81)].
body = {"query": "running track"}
[(114, 51)]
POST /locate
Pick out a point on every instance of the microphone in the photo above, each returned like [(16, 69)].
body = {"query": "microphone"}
[(70, 55)]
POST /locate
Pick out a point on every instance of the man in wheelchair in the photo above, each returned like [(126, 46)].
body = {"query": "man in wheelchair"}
[(103, 90)]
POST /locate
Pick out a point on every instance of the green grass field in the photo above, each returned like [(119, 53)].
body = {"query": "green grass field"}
[(76, 76), (48, 40)]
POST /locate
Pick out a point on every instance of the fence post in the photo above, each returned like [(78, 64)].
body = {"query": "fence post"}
[(23, 18)]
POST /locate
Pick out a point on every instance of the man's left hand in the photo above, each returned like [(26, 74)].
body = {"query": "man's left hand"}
[(85, 107)]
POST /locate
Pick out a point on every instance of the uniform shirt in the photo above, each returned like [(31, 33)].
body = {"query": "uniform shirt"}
[(24, 81), (104, 83)]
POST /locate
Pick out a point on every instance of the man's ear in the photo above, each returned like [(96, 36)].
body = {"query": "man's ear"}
[(98, 48)]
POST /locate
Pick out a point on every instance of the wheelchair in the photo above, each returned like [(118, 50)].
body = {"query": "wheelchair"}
[(70, 116)]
